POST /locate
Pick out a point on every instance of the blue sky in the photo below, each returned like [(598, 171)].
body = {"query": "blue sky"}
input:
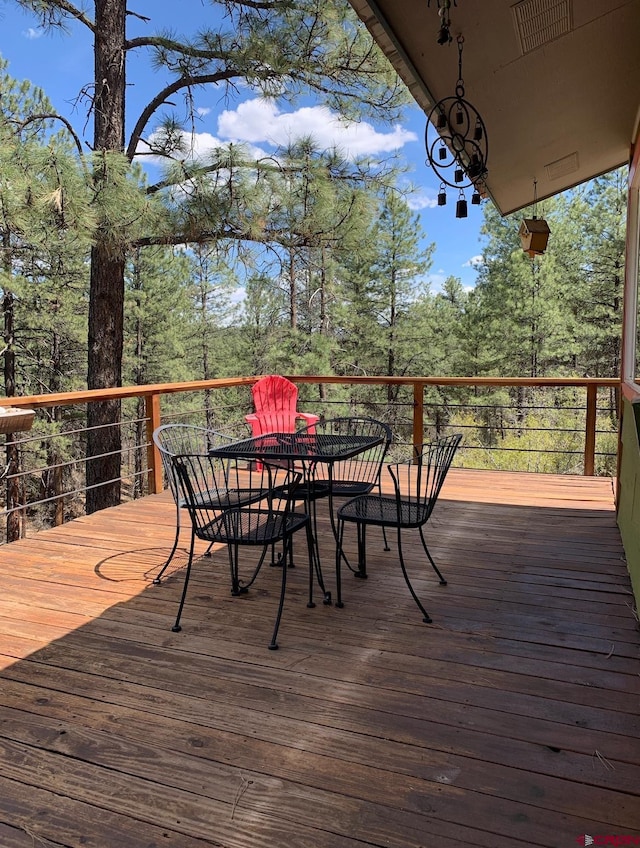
[(62, 64)]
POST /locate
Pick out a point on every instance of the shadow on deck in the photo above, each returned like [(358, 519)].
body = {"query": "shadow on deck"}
[(511, 721)]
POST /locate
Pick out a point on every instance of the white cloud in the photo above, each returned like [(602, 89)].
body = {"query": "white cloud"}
[(203, 110), (258, 124), (199, 145), (426, 199), (260, 121), (32, 33), (474, 262)]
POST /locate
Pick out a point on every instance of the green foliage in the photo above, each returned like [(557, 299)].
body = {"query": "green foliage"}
[(304, 263), (157, 309)]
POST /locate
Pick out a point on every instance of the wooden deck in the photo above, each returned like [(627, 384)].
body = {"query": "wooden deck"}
[(511, 721)]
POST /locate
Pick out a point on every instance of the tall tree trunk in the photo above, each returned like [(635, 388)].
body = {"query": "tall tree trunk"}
[(14, 519), (140, 378), (293, 306), (106, 296), (325, 328), (391, 356)]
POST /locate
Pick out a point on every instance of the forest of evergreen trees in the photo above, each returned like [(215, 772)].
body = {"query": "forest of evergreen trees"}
[(311, 264)]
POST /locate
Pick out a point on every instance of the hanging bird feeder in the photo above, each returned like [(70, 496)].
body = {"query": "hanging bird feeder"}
[(534, 232)]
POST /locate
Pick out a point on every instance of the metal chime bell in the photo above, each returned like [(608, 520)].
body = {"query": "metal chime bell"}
[(461, 206)]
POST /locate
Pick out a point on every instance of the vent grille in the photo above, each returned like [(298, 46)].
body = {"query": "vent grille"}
[(562, 167), (538, 22)]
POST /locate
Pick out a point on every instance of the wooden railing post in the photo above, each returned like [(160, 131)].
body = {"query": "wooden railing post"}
[(418, 417), (590, 430), (154, 460)]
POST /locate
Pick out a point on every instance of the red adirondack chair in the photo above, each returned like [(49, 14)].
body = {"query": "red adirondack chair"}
[(274, 401)]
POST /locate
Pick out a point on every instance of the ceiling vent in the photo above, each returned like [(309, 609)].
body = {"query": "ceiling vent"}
[(562, 167), (538, 22)]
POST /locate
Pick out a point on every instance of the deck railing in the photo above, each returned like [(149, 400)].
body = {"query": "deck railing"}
[(418, 407)]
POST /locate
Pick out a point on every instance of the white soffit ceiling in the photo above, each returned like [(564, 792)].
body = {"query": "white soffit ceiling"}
[(557, 82)]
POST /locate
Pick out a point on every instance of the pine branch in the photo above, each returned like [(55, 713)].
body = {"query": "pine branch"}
[(263, 5), (47, 12), (54, 117), (78, 14), (224, 233), (160, 98), (183, 49)]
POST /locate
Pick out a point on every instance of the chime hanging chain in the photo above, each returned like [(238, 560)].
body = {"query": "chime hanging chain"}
[(460, 83)]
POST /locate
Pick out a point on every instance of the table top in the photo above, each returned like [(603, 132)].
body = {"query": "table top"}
[(312, 447)]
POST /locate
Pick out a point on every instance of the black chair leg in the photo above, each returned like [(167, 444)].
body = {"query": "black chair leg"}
[(158, 578), (286, 553), (339, 555), (312, 565), (443, 582), (176, 627), (383, 528), (232, 551), (314, 555), (362, 551), (426, 617)]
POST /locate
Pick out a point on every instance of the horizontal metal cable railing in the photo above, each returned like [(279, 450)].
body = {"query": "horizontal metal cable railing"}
[(557, 425)]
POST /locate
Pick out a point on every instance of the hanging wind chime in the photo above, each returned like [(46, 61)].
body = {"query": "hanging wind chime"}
[(444, 33), (457, 145), (534, 232)]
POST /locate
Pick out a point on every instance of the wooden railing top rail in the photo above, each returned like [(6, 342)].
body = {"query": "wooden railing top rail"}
[(463, 381), (94, 395)]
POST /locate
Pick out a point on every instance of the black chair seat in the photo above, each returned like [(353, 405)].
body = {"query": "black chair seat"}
[(348, 488), (310, 491), (252, 526), (384, 512), (226, 498)]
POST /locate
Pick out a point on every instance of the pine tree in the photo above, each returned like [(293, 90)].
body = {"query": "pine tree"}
[(284, 50), (45, 228)]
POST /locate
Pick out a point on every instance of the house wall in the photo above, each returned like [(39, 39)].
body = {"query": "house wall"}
[(629, 492)]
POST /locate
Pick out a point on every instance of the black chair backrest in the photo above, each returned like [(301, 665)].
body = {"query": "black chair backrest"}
[(361, 473), (418, 482), (174, 439), (205, 483)]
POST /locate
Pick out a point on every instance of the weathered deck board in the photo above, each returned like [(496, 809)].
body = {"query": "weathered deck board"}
[(511, 721)]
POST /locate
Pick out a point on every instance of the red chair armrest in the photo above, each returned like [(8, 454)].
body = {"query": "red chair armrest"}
[(309, 417)]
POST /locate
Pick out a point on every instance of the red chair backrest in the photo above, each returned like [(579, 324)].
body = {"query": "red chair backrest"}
[(274, 394)]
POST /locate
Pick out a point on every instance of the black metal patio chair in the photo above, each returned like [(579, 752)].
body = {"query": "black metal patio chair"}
[(174, 439), (356, 476), (204, 483), (417, 484), (360, 474)]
